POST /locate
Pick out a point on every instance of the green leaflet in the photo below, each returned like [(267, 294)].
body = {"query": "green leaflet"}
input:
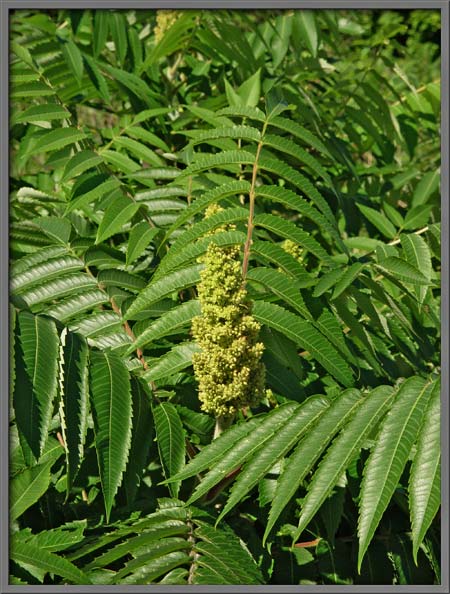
[(115, 341), (244, 111), (22, 53), (224, 158), (304, 135), (111, 403), (133, 83), (402, 270), (30, 89), (289, 230), (101, 28), (296, 202), (60, 287), (73, 306), (120, 210), (171, 444), (389, 456), (27, 487), (37, 257), (305, 335), (73, 58), (302, 420), (89, 189), (147, 137), (330, 327), (274, 254), (161, 192), (74, 405), (57, 228), (175, 360), (223, 558), (141, 438), (379, 220), (123, 163), (243, 450), (30, 554), (44, 271), (97, 78), (306, 23), (172, 322), (418, 255), (249, 92), (291, 175), (293, 149), (57, 139), (96, 324), (347, 278), (309, 450), (342, 451), (282, 286), (140, 237), (58, 539), (35, 389), (199, 423), (118, 30), (41, 113), (183, 241), (193, 251), (425, 477), (120, 278), (280, 46), (159, 289), (239, 132), (149, 573), (79, 163), (150, 173), (139, 150), (426, 188), (158, 547), (328, 280), (208, 457), (417, 217)]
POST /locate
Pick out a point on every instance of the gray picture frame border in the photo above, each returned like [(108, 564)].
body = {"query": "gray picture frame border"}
[(5, 7)]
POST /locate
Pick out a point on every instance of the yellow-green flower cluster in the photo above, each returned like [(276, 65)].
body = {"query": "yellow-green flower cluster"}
[(228, 367), (212, 209), (292, 248), (164, 20)]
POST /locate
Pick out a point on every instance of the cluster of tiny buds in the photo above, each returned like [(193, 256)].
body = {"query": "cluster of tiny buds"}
[(292, 248), (164, 20)]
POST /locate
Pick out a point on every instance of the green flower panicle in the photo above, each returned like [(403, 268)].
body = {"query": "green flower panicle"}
[(164, 20), (228, 367), (290, 247)]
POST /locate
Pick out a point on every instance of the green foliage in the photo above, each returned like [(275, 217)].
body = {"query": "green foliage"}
[(258, 186)]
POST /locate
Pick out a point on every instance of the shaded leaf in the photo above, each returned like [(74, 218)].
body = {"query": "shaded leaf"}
[(112, 410), (425, 477), (389, 456), (171, 444)]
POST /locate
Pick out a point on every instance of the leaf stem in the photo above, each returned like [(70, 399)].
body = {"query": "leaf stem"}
[(222, 423)]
